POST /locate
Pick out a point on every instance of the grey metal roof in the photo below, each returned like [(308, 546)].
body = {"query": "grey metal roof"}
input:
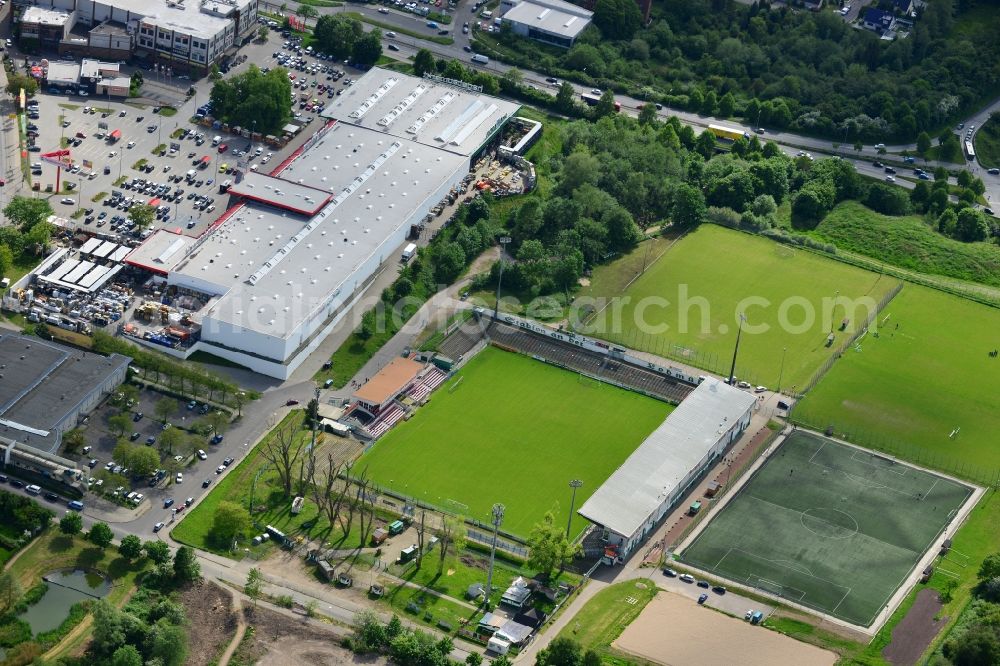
[(43, 382), (635, 490), (552, 16)]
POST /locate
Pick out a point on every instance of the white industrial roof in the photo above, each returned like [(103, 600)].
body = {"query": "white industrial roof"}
[(276, 267), (455, 119), (161, 251), (44, 16), (636, 489), (552, 16)]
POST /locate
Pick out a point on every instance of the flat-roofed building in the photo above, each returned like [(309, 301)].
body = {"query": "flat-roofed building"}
[(46, 26), (550, 21), (302, 244), (180, 34), (387, 383)]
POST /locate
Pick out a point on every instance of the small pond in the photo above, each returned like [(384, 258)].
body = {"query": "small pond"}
[(65, 589)]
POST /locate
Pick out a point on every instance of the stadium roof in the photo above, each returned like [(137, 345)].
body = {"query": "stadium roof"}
[(636, 489), (43, 383), (436, 114), (552, 16), (389, 381)]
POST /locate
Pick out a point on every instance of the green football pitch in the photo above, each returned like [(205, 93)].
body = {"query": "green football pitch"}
[(829, 526), (926, 375), (691, 298), (510, 429)]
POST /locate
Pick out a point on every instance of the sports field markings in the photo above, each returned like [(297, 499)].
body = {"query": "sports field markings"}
[(816, 453), (785, 566), (899, 469), (802, 521)]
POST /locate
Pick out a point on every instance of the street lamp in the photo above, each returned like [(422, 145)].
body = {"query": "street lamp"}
[(503, 249), (497, 520), (736, 350), (574, 484), (781, 372)]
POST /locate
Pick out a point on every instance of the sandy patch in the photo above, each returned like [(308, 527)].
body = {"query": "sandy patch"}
[(675, 631), (296, 652)]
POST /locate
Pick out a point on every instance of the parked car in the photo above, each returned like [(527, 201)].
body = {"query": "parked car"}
[(702, 598), (158, 526), (687, 578)]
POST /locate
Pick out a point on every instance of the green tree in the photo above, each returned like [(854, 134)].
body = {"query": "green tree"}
[(473, 659), (119, 424), (978, 646), (230, 521), (940, 174), (647, 114), (71, 523), (186, 567), (688, 206), (100, 535), (972, 226), (368, 48), (157, 551), (727, 105), (550, 547), (923, 144), (217, 422), (502, 660), (164, 409), (262, 32), (617, 19), (307, 11), (17, 82), (142, 460), (336, 34), (254, 586), (6, 261), (605, 106), (964, 178), (26, 213), (126, 655), (130, 547), (423, 62), (142, 215), (168, 439), (947, 221), (166, 644), (10, 591), (73, 440), (705, 144), (566, 99), (254, 99), (560, 652)]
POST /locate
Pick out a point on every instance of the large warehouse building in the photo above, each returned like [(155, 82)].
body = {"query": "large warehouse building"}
[(45, 390), (660, 472), (281, 268)]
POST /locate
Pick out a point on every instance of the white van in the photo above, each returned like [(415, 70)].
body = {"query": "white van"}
[(216, 140), (481, 59), (409, 251), (33, 489)]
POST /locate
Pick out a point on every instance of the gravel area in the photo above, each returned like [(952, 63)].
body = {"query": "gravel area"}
[(915, 631)]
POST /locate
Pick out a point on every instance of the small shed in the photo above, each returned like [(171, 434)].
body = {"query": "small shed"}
[(713, 488), (926, 574), (694, 508), (475, 591), (379, 536), (397, 527), (408, 554)]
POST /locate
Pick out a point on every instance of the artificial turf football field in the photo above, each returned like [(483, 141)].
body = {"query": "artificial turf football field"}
[(927, 374), (510, 429), (828, 526), (722, 269)]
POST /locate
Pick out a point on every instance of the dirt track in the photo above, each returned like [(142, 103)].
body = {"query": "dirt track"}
[(672, 630)]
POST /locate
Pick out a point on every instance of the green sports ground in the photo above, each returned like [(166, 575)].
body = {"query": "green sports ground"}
[(510, 429), (721, 269), (927, 374), (829, 526)]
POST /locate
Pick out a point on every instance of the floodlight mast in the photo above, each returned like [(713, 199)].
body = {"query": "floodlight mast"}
[(574, 484), (504, 240), (497, 520)]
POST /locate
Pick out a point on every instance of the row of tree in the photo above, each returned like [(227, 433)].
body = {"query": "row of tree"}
[(778, 67), (254, 100), (28, 233)]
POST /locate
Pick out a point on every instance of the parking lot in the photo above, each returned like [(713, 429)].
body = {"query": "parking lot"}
[(146, 430), (134, 145)]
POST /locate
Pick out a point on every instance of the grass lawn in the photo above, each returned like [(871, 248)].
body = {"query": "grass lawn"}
[(840, 539), (910, 243), (514, 430), (194, 529), (908, 389), (987, 143), (603, 618), (686, 305)]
